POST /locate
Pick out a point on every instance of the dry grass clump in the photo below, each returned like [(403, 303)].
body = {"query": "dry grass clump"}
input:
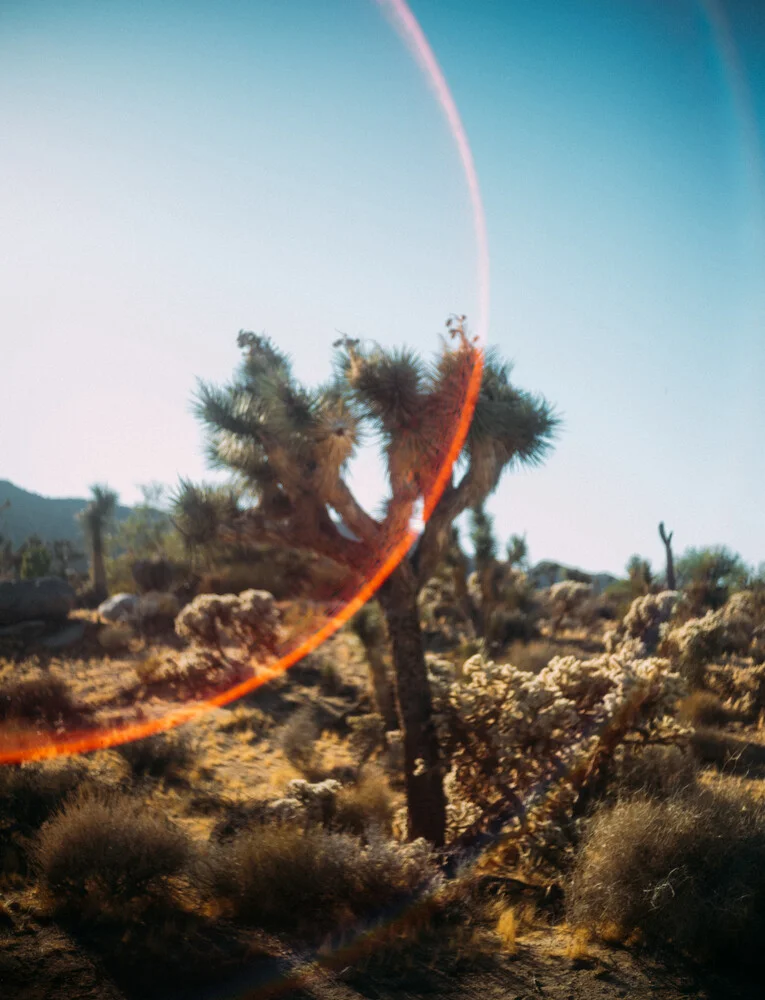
[(445, 931), (366, 805), (167, 755), (703, 708), (29, 794), (107, 856), (41, 700), (244, 719), (116, 638), (507, 930), (289, 878), (192, 673), (689, 872), (655, 772), (298, 737)]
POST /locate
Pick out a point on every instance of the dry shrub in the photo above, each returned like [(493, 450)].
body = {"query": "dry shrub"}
[(29, 794), (689, 872), (165, 755), (289, 878), (42, 700), (367, 805), (507, 931), (190, 674), (106, 856), (116, 638), (298, 737), (703, 708), (656, 772), (331, 681), (448, 930), (243, 719)]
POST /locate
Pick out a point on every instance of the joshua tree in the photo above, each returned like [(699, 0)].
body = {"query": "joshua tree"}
[(95, 520), (667, 539), (518, 551), (290, 447), (639, 575)]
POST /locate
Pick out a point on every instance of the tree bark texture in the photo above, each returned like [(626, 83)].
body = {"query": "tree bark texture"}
[(426, 802)]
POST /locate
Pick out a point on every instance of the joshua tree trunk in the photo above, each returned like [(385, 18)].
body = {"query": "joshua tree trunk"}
[(426, 801), (667, 539), (98, 568)]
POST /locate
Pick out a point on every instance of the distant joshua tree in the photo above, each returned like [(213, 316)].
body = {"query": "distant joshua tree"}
[(518, 551), (95, 519), (667, 539), (640, 576), (290, 447)]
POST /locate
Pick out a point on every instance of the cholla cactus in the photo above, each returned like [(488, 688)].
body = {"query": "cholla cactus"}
[(317, 799), (509, 734), (566, 600), (646, 615), (699, 641), (251, 618)]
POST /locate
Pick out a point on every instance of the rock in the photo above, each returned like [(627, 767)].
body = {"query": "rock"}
[(23, 630), (65, 637), (48, 598), (120, 608)]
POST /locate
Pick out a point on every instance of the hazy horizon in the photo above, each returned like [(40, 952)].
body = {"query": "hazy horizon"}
[(173, 174)]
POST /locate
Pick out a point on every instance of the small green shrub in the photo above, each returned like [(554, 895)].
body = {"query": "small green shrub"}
[(106, 856), (688, 872)]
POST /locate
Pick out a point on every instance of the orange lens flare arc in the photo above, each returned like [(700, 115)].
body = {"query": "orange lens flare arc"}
[(38, 746)]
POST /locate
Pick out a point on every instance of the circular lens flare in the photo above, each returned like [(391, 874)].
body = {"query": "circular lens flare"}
[(443, 424)]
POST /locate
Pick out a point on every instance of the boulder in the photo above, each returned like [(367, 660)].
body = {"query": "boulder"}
[(65, 637), (48, 598), (23, 630), (120, 608)]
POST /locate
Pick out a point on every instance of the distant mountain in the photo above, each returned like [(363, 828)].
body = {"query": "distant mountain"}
[(52, 518), (546, 573)]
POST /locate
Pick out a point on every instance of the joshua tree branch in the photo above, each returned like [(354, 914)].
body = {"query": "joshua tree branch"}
[(353, 514), (435, 537)]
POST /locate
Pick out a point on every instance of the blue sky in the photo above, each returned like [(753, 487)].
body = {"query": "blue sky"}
[(171, 173)]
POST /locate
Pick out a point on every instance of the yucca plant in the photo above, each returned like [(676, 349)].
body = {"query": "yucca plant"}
[(289, 447), (95, 519)]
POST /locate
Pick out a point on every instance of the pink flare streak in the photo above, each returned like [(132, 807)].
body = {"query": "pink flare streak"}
[(408, 28)]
